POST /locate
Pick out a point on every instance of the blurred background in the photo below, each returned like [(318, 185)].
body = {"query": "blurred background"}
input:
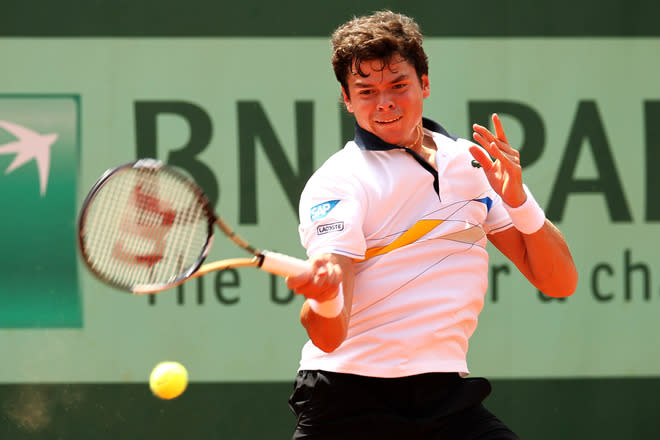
[(241, 95)]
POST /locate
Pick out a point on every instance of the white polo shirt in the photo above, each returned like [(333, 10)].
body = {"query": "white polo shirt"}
[(419, 241)]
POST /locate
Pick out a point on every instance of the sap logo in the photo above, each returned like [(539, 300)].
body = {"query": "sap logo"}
[(330, 227), (322, 209)]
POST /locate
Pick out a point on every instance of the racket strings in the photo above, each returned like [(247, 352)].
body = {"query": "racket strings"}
[(145, 226), (193, 216)]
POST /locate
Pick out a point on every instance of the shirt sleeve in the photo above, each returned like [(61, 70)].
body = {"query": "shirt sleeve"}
[(331, 213), (498, 218)]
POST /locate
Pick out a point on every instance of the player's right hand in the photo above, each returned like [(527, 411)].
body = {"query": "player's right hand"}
[(321, 282)]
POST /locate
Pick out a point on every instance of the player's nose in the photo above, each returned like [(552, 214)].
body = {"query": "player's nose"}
[(385, 102)]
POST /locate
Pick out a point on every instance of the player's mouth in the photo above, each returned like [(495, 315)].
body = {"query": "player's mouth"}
[(388, 121)]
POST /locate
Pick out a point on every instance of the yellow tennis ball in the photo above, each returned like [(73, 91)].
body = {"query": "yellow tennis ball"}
[(168, 380)]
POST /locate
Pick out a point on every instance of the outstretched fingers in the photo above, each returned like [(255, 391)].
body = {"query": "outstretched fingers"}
[(496, 145), (480, 156), (499, 130)]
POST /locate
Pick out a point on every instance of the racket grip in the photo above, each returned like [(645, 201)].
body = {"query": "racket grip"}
[(282, 265)]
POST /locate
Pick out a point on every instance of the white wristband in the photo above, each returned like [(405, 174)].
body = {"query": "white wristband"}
[(329, 308), (528, 217)]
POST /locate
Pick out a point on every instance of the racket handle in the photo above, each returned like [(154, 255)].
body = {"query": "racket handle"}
[(282, 265)]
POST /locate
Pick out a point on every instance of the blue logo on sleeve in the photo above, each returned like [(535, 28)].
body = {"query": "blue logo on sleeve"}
[(322, 209)]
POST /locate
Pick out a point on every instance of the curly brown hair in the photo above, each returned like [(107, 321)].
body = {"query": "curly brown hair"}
[(379, 36)]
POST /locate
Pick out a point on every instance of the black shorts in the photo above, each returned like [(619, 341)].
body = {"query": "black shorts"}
[(426, 406)]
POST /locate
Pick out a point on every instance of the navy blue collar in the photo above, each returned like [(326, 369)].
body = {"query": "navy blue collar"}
[(366, 140), (369, 141)]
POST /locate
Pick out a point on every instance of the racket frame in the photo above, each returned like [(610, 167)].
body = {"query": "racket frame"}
[(272, 262), (155, 165)]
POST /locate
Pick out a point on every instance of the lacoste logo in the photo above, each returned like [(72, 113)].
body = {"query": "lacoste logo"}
[(475, 164), (29, 145), (330, 227)]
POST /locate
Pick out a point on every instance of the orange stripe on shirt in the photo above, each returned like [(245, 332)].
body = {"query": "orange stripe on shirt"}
[(419, 229)]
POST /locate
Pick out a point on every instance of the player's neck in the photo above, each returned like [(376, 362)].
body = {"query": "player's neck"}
[(424, 145)]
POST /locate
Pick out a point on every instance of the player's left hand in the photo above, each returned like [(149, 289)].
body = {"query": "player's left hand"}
[(504, 173)]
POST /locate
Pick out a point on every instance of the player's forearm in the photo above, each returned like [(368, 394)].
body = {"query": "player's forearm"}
[(549, 263), (325, 313), (538, 249), (326, 333)]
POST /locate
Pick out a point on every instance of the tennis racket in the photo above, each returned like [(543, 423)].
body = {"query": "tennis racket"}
[(145, 227)]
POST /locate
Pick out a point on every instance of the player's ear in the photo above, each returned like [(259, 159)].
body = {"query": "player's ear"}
[(426, 86), (347, 100)]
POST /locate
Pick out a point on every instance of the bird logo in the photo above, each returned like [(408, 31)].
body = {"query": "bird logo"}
[(27, 146)]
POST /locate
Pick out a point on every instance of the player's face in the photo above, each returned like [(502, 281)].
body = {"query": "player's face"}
[(388, 102)]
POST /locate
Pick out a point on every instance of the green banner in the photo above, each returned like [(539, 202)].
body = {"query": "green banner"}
[(39, 148), (251, 119)]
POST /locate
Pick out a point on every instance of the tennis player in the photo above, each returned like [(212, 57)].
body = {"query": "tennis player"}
[(396, 226)]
